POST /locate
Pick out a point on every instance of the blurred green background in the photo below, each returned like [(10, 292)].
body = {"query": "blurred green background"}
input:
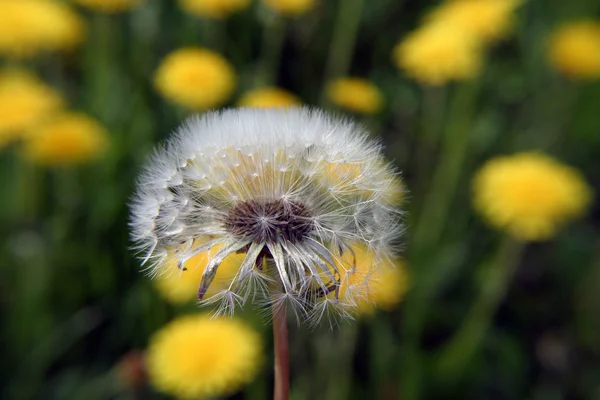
[(76, 309)]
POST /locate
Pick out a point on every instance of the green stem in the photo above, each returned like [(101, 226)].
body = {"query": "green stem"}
[(495, 280), (272, 46), (100, 59), (341, 48), (455, 144), (29, 188), (432, 114)]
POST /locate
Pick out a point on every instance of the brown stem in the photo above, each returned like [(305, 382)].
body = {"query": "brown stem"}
[(282, 354)]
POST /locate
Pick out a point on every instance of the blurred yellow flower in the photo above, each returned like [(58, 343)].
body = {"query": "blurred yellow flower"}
[(438, 53), (269, 97), (196, 78), (355, 94), (179, 286), (24, 102), (197, 357), (381, 284), (487, 20), (575, 49), (290, 7), (29, 27), (109, 6), (217, 9), (68, 138), (529, 194)]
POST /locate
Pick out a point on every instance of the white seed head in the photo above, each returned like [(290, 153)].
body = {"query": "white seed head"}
[(292, 189)]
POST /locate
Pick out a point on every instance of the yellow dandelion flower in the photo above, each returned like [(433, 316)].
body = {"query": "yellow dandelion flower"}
[(217, 9), (438, 53), (487, 20), (355, 94), (68, 138), (198, 356), (24, 102), (575, 49), (290, 7), (181, 286), (195, 78), (269, 97), (529, 194), (109, 6), (29, 27), (382, 283)]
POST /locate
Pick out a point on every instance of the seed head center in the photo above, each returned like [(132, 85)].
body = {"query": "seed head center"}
[(270, 221)]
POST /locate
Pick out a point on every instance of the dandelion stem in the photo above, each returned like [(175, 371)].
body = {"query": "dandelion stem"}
[(446, 176), (341, 48), (496, 277), (272, 46), (282, 354), (432, 115)]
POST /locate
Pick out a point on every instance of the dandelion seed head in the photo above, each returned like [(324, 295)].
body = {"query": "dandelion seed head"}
[(259, 182)]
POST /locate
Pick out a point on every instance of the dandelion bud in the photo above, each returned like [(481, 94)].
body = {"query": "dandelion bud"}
[(293, 191)]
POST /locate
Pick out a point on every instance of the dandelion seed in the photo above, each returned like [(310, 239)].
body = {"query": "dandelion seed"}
[(199, 357), (258, 182)]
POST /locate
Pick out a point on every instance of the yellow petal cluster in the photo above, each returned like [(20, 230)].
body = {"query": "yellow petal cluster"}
[(290, 7), (177, 286), (24, 102), (381, 284), (486, 20), (109, 6), (30, 27), (355, 94), (530, 195), (438, 53), (66, 139), (197, 357), (574, 49), (216, 9), (196, 78), (269, 97)]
